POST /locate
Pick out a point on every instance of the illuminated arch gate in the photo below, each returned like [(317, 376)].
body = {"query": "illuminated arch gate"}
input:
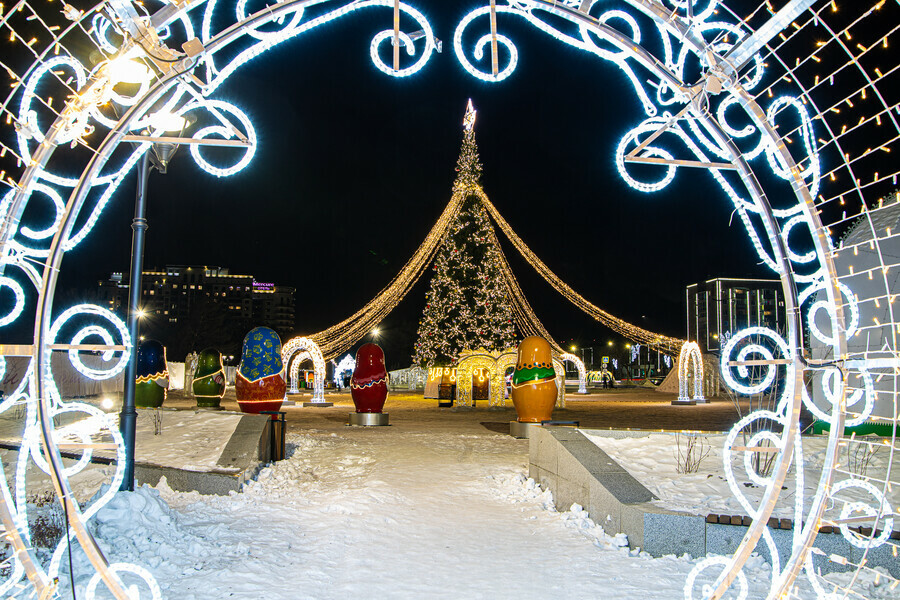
[(299, 349), (582, 372), (690, 357), (724, 121)]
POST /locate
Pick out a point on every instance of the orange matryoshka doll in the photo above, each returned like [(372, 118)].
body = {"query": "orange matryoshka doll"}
[(534, 381)]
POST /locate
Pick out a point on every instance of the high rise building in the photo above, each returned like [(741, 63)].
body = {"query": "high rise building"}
[(170, 294)]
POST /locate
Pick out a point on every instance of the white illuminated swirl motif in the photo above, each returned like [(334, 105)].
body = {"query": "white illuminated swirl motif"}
[(759, 343), (84, 310), (877, 508), (285, 23), (18, 304), (482, 43), (300, 21), (221, 111), (697, 577), (134, 570)]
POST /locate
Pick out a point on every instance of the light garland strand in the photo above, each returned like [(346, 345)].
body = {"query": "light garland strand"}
[(668, 345)]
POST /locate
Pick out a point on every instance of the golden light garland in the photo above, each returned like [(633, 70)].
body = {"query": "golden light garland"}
[(668, 345)]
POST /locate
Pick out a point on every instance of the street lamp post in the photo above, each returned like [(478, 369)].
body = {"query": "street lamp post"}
[(128, 416), (159, 153)]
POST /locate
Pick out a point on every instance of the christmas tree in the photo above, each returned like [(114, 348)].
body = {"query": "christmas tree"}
[(466, 306)]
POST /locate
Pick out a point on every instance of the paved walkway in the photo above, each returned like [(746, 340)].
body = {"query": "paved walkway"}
[(637, 408)]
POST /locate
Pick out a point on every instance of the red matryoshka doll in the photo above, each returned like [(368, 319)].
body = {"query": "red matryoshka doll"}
[(534, 381), (368, 386), (259, 383)]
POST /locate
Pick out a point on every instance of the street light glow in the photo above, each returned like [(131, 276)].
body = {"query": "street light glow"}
[(572, 348), (375, 332), (127, 70), (167, 121), (609, 343)]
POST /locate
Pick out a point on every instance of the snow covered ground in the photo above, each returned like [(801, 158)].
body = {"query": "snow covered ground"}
[(652, 461), (386, 514)]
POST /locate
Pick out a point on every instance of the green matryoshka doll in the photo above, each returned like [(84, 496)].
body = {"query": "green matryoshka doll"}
[(209, 379), (152, 380)]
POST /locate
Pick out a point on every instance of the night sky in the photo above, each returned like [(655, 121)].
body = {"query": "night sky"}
[(353, 167)]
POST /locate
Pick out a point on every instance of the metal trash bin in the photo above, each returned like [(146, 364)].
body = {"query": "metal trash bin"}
[(276, 434)]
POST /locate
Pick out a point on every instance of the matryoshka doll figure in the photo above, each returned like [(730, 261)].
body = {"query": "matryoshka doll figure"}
[(534, 381), (152, 379), (259, 383), (209, 379), (368, 386)]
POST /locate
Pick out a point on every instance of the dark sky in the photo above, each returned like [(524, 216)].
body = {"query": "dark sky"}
[(353, 167)]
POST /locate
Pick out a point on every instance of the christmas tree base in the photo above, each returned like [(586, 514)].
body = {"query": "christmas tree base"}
[(368, 419)]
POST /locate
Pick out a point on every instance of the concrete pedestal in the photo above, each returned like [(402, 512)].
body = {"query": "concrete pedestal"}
[(368, 419), (680, 402), (322, 404), (521, 430), (287, 402)]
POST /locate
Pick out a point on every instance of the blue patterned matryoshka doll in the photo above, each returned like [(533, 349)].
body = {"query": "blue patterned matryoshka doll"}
[(259, 383), (152, 379)]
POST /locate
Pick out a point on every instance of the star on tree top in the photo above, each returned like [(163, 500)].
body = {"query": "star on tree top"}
[(469, 118)]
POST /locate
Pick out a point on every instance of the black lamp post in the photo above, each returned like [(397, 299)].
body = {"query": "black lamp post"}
[(157, 156)]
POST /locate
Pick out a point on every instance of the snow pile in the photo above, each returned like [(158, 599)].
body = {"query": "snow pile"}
[(140, 527)]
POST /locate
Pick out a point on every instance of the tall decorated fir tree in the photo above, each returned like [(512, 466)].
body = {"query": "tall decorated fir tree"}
[(466, 306)]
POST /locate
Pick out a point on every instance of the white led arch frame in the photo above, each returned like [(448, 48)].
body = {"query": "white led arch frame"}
[(713, 135), (579, 366), (170, 90), (295, 351), (690, 356)]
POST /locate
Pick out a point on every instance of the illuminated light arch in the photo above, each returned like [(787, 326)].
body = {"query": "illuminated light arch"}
[(479, 359), (347, 364), (297, 350), (690, 356), (582, 372), (560, 369), (294, 370), (505, 361), (696, 115)]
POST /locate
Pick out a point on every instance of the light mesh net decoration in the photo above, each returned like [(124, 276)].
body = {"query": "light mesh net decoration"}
[(787, 105)]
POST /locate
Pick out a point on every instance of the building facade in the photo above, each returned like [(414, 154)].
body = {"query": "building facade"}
[(171, 294), (718, 308)]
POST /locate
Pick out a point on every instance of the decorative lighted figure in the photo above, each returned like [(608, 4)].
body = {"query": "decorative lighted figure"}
[(534, 387), (368, 386), (690, 356), (209, 379), (259, 383), (152, 380)]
